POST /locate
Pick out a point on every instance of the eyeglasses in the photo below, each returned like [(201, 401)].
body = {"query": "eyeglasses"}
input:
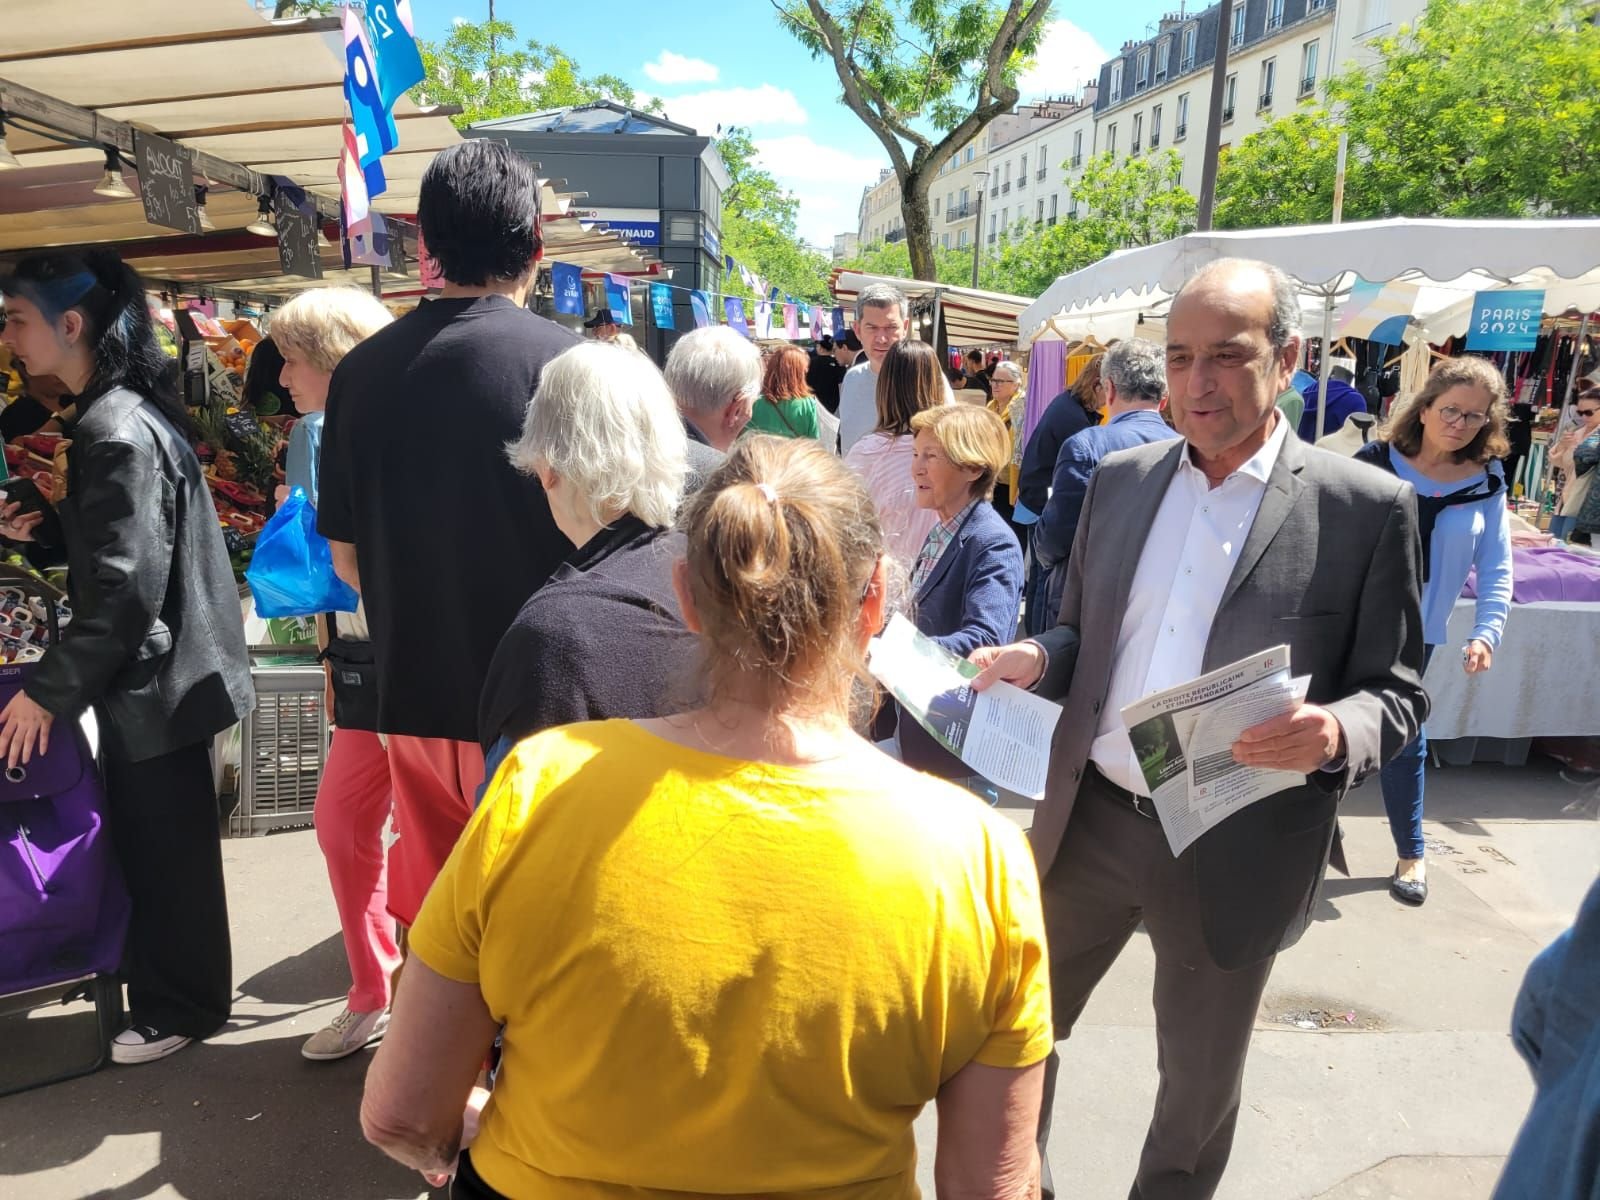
[(1582, 412), (1451, 415)]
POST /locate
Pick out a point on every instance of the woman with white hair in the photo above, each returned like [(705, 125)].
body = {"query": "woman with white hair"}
[(313, 332), (603, 637)]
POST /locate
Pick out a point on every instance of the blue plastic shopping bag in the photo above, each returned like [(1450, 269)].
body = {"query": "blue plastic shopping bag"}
[(291, 572)]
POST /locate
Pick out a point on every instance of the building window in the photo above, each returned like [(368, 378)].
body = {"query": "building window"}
[(1230, 93), (994, 223), (1238, 27), (1111, 139), (1141, 70), (1116, 81), (1077, 148), (1043, 160), (1182, 129), (936, 206), (1269, 77), (1040, 217), (964, 238), (1053, 209), (1163, 58), (949, 201), (1275, 14), (969, 153), (945, 241), (1308, 68), (1155, 126), (1138, 133), (1186, 59)]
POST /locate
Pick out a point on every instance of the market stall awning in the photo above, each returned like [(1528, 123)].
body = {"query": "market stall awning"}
[(221, 78), (972, 317), (1451, 260)]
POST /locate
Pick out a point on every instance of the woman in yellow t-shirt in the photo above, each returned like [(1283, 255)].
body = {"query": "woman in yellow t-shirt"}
[(734, 951)]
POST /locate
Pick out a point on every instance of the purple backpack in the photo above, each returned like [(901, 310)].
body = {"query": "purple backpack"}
[(63, 908)]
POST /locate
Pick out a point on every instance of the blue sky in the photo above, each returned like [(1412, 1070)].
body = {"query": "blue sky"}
[(730, 63)]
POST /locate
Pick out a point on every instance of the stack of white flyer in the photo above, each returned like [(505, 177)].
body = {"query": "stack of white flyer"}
[(1183, 738), (1003, 733)]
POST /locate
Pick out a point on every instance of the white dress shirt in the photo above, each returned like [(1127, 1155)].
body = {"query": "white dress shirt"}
[(858, 404), (1183, 570)]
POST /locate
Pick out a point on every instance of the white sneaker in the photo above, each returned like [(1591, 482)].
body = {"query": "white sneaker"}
[(142, 1044), (349, 1032)]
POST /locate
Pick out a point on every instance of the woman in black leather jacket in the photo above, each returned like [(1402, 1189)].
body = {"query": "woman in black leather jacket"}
[(156, 644)]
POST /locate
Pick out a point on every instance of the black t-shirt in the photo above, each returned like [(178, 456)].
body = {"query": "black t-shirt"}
[(823, 376), (451, 538), (23, 416), (603, 638)]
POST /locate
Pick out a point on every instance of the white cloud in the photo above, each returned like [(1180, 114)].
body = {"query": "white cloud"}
[(764, 105), (1068, 58), (676, 68), (826, 180)]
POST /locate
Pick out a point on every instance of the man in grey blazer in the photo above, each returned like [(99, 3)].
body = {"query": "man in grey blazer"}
[(1189, 555)]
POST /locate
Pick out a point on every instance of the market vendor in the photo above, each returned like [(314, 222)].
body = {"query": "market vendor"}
[(156, 644), (45, 402)]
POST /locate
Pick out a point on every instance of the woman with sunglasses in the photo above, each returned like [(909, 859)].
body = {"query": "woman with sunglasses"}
[(1576, 454), (1444, 443)]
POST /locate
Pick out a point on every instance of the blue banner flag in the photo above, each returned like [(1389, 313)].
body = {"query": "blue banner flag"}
[(369, 114), (568, 282), (839, 328), (394, 47), (701, 303), (1506, 320), (617, 299), (661, 306), (734, 307)]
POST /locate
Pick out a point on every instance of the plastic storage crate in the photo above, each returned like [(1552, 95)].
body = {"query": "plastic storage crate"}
[(284, 744)]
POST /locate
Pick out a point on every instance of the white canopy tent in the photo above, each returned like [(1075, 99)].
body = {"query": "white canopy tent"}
[(1450, 260)]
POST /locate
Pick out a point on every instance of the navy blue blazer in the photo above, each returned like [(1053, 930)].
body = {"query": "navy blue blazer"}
[(971, 599)]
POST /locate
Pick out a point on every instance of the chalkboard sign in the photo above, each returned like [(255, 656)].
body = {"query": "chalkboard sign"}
[(297, 234), (397, 250), (166, 182)]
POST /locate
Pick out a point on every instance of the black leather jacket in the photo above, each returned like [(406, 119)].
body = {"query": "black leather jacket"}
[(156, 643)]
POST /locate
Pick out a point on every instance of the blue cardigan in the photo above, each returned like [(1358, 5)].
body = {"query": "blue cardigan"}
[(971, 599)]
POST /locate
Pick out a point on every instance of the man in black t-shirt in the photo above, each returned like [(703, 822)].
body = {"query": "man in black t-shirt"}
[(428, 519)]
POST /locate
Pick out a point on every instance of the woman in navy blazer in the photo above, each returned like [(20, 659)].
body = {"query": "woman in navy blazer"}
[(967, 580)]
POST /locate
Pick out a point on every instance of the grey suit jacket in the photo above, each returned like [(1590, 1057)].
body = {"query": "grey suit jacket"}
[(1331, 567)]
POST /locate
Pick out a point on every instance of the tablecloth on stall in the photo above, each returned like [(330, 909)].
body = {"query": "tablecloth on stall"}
[(1545, 681), (1549, 573)]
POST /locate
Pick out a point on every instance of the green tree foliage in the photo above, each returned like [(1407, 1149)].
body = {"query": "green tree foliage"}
[(482, 68), (758, 227), (925, 76), (1488, 108), (952, 266)]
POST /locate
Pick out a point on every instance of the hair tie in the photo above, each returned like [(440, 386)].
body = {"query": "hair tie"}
[(767, 493)]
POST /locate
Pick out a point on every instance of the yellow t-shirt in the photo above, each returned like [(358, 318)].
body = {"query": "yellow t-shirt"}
[(727, 977)]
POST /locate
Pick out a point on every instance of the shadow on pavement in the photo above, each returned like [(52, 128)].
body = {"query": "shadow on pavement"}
[(236, 1120), (302, 978)]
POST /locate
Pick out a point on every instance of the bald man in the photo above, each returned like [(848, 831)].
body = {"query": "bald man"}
[(1190, 554)]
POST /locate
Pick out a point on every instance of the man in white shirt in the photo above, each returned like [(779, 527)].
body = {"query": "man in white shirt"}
[(1190, 555), (881, 321)]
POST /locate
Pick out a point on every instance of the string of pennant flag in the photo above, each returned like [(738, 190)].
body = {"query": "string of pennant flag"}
[(567, 282)]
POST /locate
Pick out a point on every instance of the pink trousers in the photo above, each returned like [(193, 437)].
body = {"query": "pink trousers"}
[(353, 802), (434, 783)]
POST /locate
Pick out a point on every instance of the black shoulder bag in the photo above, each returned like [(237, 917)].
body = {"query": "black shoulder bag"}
[(355, 680)]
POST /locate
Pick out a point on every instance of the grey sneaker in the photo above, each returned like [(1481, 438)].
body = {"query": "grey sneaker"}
[(349, 1032)]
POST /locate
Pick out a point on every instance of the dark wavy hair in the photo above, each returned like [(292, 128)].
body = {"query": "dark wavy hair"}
[(479, 212), (111, 297)]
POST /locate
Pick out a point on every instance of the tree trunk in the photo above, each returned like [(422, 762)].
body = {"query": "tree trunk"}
[(919, 229)]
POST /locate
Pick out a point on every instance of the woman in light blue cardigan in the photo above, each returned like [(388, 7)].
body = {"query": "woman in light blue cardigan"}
[(1444, 443)]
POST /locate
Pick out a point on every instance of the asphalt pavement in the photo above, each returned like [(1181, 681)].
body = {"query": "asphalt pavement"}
[(1381, 1067)]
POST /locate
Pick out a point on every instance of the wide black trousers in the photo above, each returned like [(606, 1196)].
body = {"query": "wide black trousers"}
[(178, 964)]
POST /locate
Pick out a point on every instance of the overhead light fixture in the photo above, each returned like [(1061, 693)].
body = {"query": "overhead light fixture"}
[(265, 224), (112, 185), (207, 225), (8, 160)]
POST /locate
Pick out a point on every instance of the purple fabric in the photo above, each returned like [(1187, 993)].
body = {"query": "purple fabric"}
[(1547, 573), (63, 908), (1047, 378)]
